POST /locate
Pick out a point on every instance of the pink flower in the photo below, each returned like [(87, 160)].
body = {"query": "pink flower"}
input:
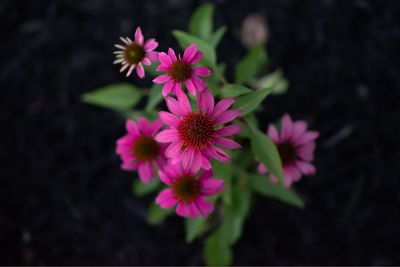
[(134, 54), (296, 147), (179, 71), (139, 150), (188, 191), (193, 134)]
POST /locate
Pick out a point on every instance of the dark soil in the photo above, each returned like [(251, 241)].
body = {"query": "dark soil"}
[(64, 200)]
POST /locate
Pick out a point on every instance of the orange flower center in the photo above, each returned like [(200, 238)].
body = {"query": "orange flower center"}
[(134, 53), (146, 148), (180, 71), (196, 130), (287, 151), (186, 188)]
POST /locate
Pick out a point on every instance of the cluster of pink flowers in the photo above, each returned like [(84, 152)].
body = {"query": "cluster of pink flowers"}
[(181, 143)]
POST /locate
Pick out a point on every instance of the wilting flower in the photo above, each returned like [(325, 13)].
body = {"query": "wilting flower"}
[(187, 190), (180, 70), (296, 148), (134, 54), (139, 150), (193, 135)]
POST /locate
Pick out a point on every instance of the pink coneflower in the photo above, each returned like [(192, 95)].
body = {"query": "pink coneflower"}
[(180, 70), (193, 134), (134, 54), (139, 150), (188, 191), (296, 147)]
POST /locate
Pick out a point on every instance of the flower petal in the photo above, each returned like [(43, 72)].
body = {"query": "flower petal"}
[(222, 105), (165, 178), (229, 130), (205, 101), (202, 71), (146, 172), (196, 58), (168, 118), (204, 207), (182, 210), (305, 167), (132, 127), (167, 136), (164, 59), (184, 103), (150, 45), (174, 150), (190, 87), (139, 36), (227, 116), (166, 199), (262, 169), (144, 126), (167, 88), (140, 70), (211, 186), (287, 126), (171, 54), (190, 52), (273, 133), (174, 106), (225, 142), (162, 79)]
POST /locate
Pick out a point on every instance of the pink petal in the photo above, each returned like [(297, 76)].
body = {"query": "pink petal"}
[(146, 61), (306, 151), (222, 105), (218, 154), (307, 137), (184, 103), (164, 59), (171, 54), (190, 86), (168, 118), (152, 55), (299, 128), (227, 116), (211, 186), (155, 126), (262, 169), (205, 163), (196, 58), (229, 130), (198, 83), (163, 67), (206, 175), (146, 172), (139, 36), (167, 88), (177, 89), (166, 199), (204, 207), (191, 159), (287, 127), (132, 127), (165, 178), (167, 136), (305, 167), (175, 107), (129, 166), (294, 172), (225, 142), (202, 71), (193, 210), (205, 102), (182, 210), (273, 133), (140, 70), (162, 79), (144, 126), (190, 52), (174, 150), (150, 45)]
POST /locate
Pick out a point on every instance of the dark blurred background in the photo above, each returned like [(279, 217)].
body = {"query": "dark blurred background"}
[(64, 200)]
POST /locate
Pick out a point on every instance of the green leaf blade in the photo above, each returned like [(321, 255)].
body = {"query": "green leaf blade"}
[(120, 96), (156, 214), (193, 228), (262, 185), (217, 36), (250, 66), (217, 252), (201, 22), (249, 102), (234, 90)]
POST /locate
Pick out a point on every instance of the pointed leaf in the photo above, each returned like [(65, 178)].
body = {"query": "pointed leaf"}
[(249, 102), (217, 36), (250, 66), (193, 228), (201, 22)]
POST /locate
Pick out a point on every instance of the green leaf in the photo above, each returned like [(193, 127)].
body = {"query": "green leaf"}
[(235, 214), (249, 102), (201, 22), (261, 184), (186, 39), (155, 97), (120, 96), (217, 252), (224, 171), (276, 80), (234, 90), (265, 149), (250, 66), (193, 228), (140, 189), (156, 214), (152, 69), (217, 36)]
